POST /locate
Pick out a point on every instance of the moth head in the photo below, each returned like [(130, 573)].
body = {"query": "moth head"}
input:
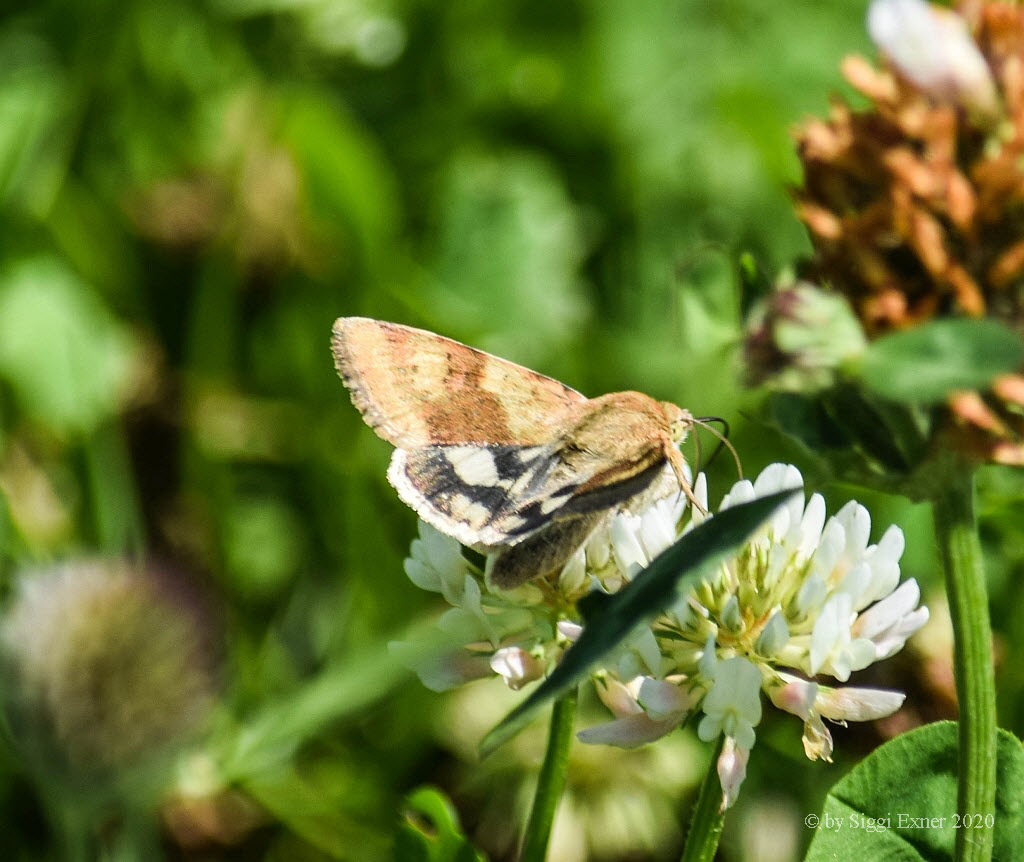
[(679, 421)]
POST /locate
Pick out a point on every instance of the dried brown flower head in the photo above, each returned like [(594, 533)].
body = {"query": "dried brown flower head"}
[(915, 205)]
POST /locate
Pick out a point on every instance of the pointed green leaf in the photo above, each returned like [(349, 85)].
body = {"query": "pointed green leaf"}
[(927, 363), (654, 589)]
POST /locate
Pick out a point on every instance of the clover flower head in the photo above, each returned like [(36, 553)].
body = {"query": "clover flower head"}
[(110, 664), (910, 202), (800, 337), (804, 597)]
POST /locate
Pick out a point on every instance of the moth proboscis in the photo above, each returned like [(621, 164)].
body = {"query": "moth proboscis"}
[(503, 459)]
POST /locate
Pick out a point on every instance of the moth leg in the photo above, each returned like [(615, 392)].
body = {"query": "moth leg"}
[(544, 552), (675, 458)]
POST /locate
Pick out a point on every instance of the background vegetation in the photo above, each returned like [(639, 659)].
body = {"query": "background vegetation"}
[(192, 192)]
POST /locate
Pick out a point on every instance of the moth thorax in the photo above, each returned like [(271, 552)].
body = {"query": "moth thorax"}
[(679, 420)]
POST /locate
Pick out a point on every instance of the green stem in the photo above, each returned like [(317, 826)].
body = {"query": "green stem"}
[(957, 535), (115, 502), (551, 781), (708, 817)]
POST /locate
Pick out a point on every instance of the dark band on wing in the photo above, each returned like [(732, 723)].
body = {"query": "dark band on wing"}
[(472, 483), (570, 500)]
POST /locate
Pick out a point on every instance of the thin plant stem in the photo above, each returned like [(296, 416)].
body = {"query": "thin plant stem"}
[(115, 500), (551, 781), (708, 817), (957, 535)]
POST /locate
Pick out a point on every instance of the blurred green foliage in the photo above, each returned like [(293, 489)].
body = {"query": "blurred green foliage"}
[(191, 192)]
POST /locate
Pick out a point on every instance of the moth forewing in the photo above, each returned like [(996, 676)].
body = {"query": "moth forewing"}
[(416, 388), (501, 458)]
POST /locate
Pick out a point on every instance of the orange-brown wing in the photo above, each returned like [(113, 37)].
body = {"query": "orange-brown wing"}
[(415, 388)]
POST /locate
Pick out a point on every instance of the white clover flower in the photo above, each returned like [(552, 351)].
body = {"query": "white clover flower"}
[(646, 710), (933, 48), (805, 596), (435, 563), (733, 705)]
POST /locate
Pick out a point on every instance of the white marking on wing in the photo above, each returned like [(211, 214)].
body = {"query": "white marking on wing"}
[(473, 512), (474, 465), (529, 453)]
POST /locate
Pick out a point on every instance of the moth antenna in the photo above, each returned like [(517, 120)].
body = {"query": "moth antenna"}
[(702, 422), (723, 440)]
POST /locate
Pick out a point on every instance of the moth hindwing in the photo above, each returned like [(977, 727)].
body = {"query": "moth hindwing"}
[(502, 458)]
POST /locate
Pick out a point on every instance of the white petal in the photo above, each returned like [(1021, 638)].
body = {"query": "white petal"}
[(440, 672), (737, 690), (862, 653), (731, 616), (777, 477), (732, 769), (838, 665), (441, 551), (629, 554), (794, 695), (892, 641), (831, 629), (742, 492), (629, 732), (708, 662), (574, 573), (516, 666), (709, 728), (857, 704), (933, 48), (888, 611), (422, 575), (856, 523), (810, 525), (700, 490), (885, 566), (599, 547), (855, 583), (774, 636), (662, 699), (569, 630), (744, 736), (620, 698), (830, 549), (646, 646), (657, 530), (812, 595), (891, 546)]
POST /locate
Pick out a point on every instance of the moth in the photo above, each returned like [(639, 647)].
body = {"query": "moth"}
[(502, 458)]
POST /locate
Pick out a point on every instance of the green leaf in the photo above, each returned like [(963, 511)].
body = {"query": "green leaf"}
[(68, 359), (510, 237), (929, 362), (430, 831), (900, 802), (654, 589)]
